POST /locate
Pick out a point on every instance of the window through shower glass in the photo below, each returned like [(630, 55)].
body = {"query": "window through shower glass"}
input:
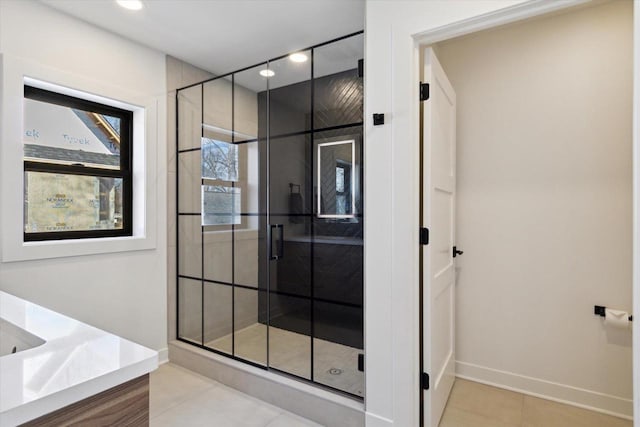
[(266, 275)]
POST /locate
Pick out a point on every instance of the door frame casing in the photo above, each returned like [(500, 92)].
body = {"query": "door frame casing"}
[(519, 12)]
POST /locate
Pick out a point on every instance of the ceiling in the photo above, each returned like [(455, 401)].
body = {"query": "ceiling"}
[(221, 36)]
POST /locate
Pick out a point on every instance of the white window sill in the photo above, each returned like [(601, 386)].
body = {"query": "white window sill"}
[(65, 248)]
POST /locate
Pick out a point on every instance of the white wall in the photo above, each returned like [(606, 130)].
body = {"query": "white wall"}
[(124, 292), (391, 229), (544, 203)]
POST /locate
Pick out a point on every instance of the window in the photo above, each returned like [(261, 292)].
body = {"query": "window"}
[(77, 168), (221, 203)]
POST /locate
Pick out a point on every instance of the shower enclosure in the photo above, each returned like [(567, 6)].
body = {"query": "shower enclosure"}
[(270, 218)]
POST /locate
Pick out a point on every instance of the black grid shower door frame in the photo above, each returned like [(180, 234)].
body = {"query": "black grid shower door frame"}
[(267, 140)]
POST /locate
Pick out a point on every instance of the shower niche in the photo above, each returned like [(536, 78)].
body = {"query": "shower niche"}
[(270, 215)]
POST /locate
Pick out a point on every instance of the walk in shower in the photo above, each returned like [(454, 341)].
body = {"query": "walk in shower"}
[(270, 214)]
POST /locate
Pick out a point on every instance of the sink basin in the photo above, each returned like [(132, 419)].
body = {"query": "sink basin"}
[(14, 339)]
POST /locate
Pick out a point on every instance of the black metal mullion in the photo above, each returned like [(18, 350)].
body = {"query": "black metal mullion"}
[(186, 150), (287, 135), (177, 112), (201, 224), (31, 166), (274, 292), (312, 224), (268, 212), (233, 229)]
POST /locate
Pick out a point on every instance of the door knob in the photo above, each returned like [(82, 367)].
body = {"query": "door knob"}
[(456, 252)]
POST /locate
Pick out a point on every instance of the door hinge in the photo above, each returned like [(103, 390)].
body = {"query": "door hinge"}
[(424, 236), (361, 362), (424, 91), (425, 381)]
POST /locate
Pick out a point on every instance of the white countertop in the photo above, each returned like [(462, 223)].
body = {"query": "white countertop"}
[(75, 362)]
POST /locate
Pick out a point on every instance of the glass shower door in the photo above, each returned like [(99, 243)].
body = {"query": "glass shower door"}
[(270, 215), (290, 216)]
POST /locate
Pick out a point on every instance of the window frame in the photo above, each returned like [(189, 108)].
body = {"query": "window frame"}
[(125, 172)]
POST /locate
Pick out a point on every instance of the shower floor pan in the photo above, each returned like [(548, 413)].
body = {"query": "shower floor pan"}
[(335, 365)]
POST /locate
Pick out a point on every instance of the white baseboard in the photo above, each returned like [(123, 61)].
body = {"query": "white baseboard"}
[(163, 356), (373, 420), (587, 399)]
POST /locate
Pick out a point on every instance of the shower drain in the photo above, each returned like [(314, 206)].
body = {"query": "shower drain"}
[(335, 371)]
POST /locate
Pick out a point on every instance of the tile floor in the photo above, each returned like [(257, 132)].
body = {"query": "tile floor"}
[(335, 365), (181, 398), (477, 405)]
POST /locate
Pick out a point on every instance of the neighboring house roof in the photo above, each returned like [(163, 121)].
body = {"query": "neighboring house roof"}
[(111, 140), (35, 151)]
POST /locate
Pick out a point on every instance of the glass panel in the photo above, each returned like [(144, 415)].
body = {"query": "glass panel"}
[(189, 117), (190, 180), (63, 202), (218, 326), (249, 88), (290, 95), (218, 262), (189, 246), (338, 88), (250, 327), (249, 114), (291, 274), (64, 135), (220, 205), (289, 334), (338, 270), (249, 238), (336, 345), (190, 310), (218, 117)]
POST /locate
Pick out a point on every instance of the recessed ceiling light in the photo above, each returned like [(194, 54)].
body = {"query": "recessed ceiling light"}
[(130, 4), (267, 73), (298, 57)]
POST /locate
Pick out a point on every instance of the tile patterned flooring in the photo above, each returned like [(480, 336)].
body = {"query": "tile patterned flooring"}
[(473, 404), (335, 365), (181, 398)]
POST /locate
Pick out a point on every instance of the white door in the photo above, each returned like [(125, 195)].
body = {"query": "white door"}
[(439, 184)]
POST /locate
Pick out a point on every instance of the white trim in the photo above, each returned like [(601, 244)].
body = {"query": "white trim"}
[(147, 129), (563, 393), (163, 356), (636, 208), (500, 17), (373, 420)]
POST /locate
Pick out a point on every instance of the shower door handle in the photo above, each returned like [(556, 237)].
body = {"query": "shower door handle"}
[(278, 253)]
